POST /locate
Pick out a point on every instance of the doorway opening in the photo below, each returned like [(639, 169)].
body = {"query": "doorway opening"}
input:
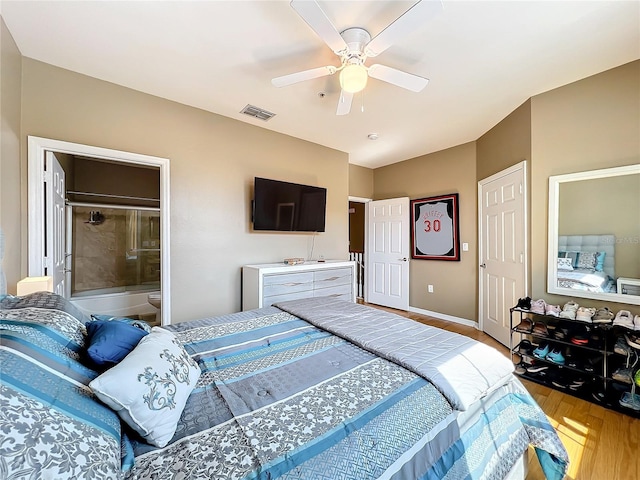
[(357, 222), (109, 252)]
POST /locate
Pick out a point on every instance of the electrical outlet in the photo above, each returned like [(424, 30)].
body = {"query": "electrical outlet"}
[(430, 288)]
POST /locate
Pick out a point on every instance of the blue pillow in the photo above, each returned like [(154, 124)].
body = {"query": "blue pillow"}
[(110, 342), (136, 323)]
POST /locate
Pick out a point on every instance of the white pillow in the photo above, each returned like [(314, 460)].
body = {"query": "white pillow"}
[(565, 264), (150, 386)]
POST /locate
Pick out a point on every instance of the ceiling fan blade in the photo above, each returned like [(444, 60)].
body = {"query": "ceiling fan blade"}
[(398, 77), (344, 104), (292, 78), (315, 17), (403, 25)]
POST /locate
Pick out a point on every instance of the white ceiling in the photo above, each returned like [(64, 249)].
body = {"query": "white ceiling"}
[(483, 59)]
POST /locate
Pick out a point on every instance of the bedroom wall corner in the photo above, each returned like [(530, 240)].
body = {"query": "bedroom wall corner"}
[(360, 181), (449, 171), (10, 195), (589, 124)]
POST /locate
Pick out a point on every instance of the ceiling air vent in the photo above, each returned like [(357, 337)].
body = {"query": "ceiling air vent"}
[(257, 112)]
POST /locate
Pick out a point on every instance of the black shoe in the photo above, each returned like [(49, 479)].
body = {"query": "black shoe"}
[(524, 303)]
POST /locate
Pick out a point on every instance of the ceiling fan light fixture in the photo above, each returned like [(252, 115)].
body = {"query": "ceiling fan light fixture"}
[(353, 78)]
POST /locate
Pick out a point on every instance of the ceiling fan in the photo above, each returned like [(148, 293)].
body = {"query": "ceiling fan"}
[(354, 46)]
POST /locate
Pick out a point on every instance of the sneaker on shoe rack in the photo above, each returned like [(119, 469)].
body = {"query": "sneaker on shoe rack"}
[(623, 375), (596, 341), (525, 326), (632, 340), (538, 369), (622, 347), (603, 315), (538, 306), (561, 333), (624, 319), (636, 377), (576, 383), (524, 303), (569, 310), (540, 329), (555, 356), (525, 347), (630, 400), (584, 314), (521, 368), (593, 364), (552, 310), (542, 350), (580, 336)]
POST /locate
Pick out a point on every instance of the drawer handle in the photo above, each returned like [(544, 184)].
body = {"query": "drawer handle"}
[(330, 279)]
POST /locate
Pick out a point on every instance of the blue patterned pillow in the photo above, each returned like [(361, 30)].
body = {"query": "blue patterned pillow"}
[(150, 387), (130, 321), (109, 342)]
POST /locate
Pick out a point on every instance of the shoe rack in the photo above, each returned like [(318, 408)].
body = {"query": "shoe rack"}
[(586, 362)]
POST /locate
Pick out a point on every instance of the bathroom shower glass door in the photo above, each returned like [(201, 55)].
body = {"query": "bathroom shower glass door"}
[(114, 249)]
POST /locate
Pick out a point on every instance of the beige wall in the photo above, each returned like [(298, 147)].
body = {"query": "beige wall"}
[(449, 171), (10, 112), (360, 181), (590, 124), (507, 143), (213, 162)]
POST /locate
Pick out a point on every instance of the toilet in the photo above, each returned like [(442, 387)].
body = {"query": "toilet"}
[(155, 299)]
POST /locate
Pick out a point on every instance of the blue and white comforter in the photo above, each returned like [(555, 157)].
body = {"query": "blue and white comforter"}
[(278, 398), (282, 398)]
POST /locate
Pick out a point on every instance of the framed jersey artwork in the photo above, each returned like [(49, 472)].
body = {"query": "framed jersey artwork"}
[(435, 229)]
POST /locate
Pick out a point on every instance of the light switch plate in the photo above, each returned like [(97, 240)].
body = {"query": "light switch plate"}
[(465, 247)]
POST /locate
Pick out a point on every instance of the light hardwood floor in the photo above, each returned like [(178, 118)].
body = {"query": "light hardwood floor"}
[(602, 444)]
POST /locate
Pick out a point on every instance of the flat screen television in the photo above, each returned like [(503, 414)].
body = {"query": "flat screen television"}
[(289, 207)]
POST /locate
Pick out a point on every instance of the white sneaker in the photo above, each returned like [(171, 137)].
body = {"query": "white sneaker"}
[(569, 310), (584, 314), (636, 322), (624, 319)]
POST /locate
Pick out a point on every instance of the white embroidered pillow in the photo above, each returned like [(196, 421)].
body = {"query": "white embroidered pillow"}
[(564, 264), (150, 386)]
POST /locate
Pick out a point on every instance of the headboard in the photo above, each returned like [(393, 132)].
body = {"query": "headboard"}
[(592, 243)]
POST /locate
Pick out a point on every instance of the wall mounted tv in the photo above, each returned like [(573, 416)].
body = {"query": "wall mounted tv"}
[(289, 207)]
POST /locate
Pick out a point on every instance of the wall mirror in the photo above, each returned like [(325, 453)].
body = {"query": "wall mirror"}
[(594, 235)]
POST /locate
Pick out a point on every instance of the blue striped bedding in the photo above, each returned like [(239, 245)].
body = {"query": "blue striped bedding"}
[(281, 398), (278, 398)]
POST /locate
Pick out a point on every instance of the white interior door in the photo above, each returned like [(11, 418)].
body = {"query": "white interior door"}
[(503, 250), (55, 193), (387, 252)]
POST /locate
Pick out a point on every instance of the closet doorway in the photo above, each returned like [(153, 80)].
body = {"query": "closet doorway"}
[(117, 255)]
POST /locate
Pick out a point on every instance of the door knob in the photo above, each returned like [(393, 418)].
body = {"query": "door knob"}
[(483, 265), (405, 259)]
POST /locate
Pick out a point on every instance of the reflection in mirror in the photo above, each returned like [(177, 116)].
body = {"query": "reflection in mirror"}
[(594, 235)]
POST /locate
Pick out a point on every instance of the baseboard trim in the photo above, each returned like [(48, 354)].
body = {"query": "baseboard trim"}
[(444, 316)]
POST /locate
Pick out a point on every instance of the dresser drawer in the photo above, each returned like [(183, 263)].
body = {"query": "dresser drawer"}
[(332, 278), (342, 291), (270, 300), (287, 283)]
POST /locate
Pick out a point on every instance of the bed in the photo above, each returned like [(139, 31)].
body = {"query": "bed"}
[(307, 389), (587, 263)]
